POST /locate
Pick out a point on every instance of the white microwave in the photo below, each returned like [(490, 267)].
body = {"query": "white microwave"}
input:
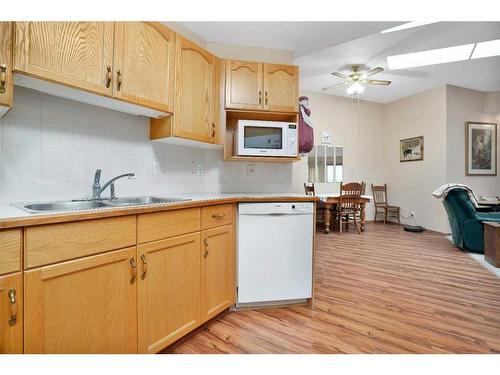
[(265, 138)]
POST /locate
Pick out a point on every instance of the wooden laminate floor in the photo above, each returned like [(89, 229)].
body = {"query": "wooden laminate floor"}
[(385, 291)]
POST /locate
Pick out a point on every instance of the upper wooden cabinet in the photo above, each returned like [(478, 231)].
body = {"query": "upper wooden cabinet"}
[(11, 314), (243, 85), (77, 54), (281, 89), (144, 64), (129, 61), (6, 83), (169, 290), (259, 86), (196, 91), (87, 305)]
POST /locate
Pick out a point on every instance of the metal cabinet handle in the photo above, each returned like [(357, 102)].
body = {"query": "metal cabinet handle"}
[(3, 77), (119, 77), (134, 270), (218, 216), (144, 266), (260, 97), (206, 248), (108, 76), (213, 129), (13, 307), (266, 98)]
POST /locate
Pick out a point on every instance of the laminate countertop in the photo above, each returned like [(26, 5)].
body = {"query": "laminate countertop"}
[(12, 217)]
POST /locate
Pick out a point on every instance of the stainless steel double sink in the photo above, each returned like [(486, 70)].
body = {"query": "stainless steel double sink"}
[(93, 204)]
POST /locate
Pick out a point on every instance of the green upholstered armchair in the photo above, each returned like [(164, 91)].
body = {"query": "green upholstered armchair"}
[(465, 222)]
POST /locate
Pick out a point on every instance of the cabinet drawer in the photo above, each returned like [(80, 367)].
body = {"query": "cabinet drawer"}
[(214, 216), (10, 251), (161, 225), (53, 243)]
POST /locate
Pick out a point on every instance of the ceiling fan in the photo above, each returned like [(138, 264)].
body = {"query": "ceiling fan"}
[(356, 79)]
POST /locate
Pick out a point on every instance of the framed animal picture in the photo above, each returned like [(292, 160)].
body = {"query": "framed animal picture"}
[(480, 149), (411, 149)]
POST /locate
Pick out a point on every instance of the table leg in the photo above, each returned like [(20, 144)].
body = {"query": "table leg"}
[(327, 217), (363, 216)]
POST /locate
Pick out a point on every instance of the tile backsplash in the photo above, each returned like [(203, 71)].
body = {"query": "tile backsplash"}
[(50, 148)]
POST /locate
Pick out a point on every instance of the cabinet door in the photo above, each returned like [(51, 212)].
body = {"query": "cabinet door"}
[(169, 290), (87, 305), (6, 67), (281, 87), (195, 92), (11, 314), (77, 54), (243, 85), (144, 64), (218, 270)]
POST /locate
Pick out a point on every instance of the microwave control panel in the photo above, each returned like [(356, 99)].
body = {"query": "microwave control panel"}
[(292, 140)]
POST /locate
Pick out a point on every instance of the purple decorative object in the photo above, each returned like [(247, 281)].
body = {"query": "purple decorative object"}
[(306, 133)]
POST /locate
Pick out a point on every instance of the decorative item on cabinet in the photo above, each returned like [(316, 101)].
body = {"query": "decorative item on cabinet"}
[(6, 85), (109, 78)]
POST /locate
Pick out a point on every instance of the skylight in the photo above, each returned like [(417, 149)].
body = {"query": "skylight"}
[(408, 25)]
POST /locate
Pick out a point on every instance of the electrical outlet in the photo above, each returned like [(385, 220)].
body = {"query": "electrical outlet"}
[(160, 166), (251, 170), (197, 169)]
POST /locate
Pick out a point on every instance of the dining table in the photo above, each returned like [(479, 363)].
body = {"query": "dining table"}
[(332, 199)]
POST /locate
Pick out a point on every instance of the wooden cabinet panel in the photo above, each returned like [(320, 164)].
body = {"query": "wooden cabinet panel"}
[(53, 243), (218, 270), (6, 82), (161, 225), (77, 54), (169, 292), (195, 92), (216, 216), (10, 251), (87, 305), (243, 85), (144, 64), (281, 88), (11, 314)]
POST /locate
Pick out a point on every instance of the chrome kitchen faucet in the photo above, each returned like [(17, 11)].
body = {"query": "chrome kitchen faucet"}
[(96, 186)]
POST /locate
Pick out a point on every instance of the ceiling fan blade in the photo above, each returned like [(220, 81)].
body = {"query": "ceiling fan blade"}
[(378, 82), (335, 86), (340, 75), (371, 72)]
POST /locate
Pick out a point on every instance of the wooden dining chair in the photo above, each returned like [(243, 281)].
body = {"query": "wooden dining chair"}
[(320, 206), (349, 210), (381, 205)]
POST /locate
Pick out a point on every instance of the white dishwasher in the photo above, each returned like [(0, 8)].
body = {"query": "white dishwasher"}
[(275, 247)]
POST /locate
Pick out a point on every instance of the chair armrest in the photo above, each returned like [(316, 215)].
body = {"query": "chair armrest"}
[(489, 216)]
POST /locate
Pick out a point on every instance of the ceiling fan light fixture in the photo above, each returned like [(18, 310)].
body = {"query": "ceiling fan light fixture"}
[(355, 88)]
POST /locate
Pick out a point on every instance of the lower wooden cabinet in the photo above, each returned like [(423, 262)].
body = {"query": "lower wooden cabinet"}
[(218, 270), (169, 291), (11, 314), (86, 305)]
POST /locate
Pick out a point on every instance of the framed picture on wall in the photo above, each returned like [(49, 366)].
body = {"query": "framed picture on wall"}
[(411, 149), (480, 149)]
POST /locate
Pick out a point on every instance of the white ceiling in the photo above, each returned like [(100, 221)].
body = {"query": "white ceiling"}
[(299, 37), (322, 47)]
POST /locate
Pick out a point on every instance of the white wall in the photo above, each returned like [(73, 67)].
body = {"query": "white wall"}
[(268, 55), (410, 184), (50, 148), (467, 105)]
